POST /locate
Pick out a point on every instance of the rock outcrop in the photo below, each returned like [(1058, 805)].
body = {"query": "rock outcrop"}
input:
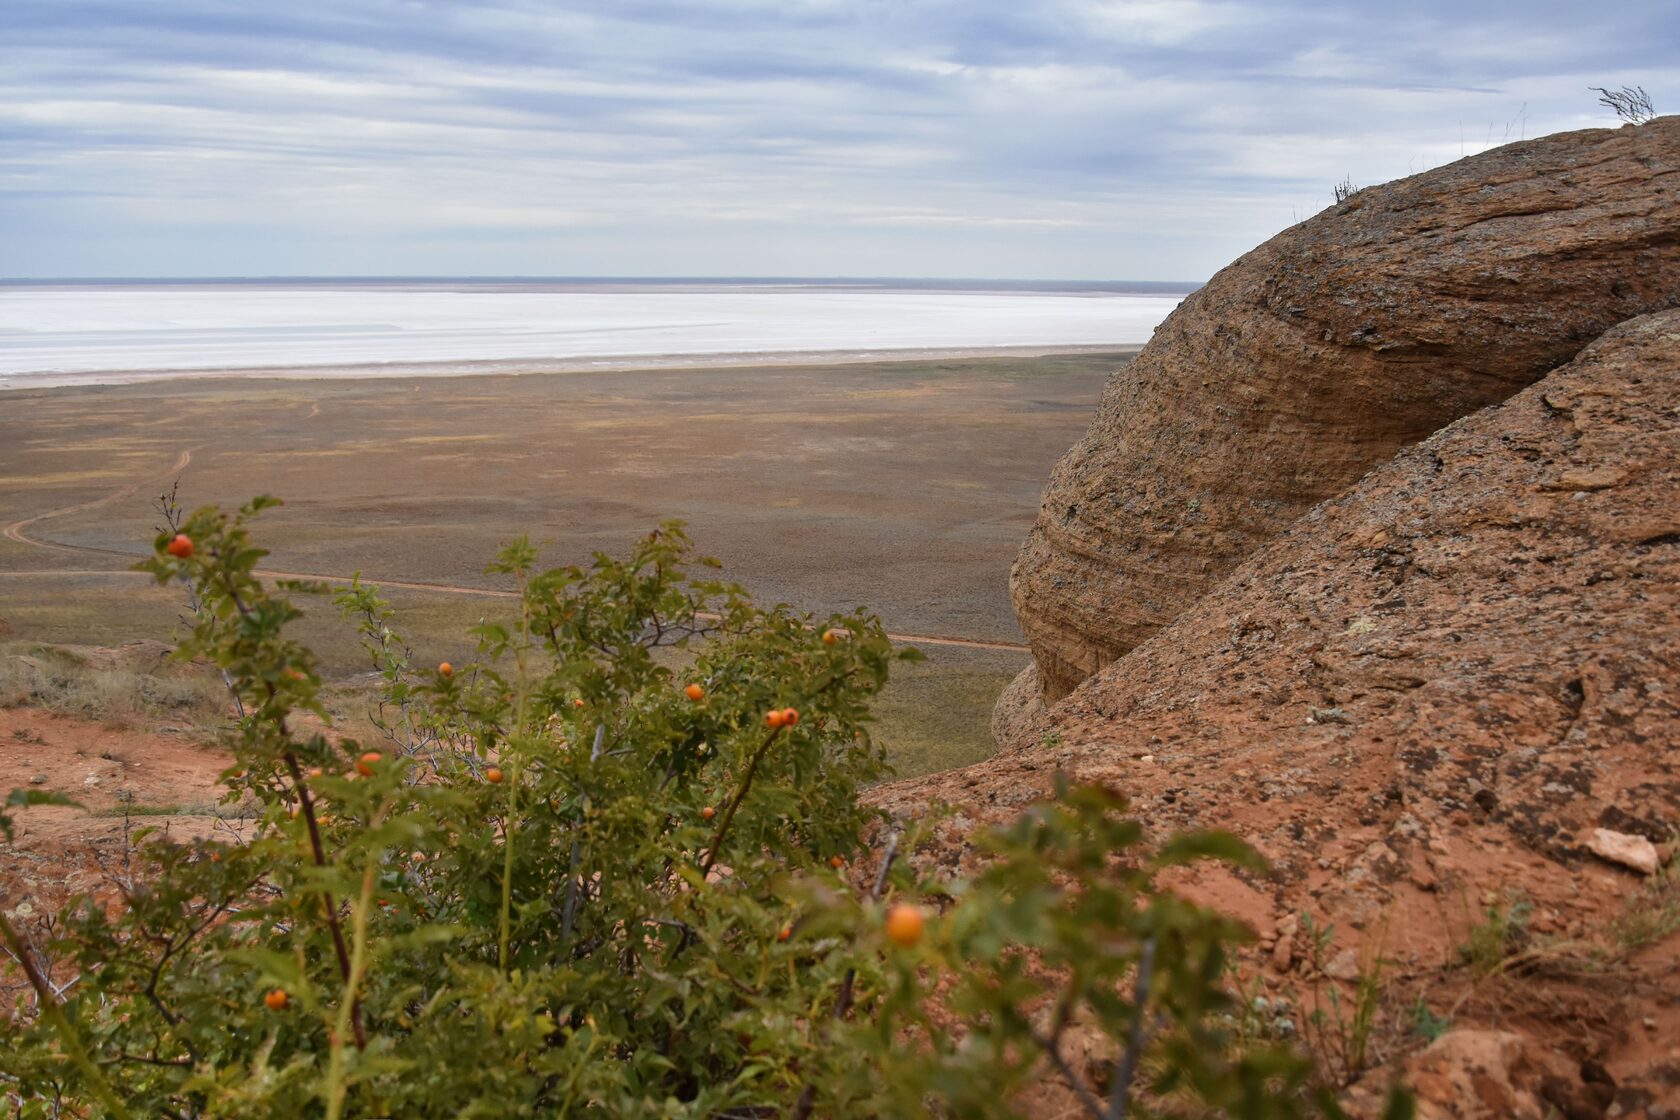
[(1490, 623), (1424, 701), (1319, 354)]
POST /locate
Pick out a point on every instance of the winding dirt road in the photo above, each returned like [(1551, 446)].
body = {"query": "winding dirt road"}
[(17, 531)]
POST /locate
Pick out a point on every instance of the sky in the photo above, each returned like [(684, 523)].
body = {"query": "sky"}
[(1028, 139)]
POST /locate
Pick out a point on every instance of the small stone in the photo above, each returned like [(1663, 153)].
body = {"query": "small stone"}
[(37, 779), (1634, 852), (1283, 954), (1343, 966), (1581, 478)]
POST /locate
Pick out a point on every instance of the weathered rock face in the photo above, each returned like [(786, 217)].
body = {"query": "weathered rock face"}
[(1317, 355), (1492, 619), (1020, 715), (1430, 695)]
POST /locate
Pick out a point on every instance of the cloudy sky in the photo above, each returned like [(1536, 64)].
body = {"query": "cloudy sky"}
[(1076, 139)]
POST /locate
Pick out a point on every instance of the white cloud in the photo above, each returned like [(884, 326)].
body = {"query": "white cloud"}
[(1091, 138)]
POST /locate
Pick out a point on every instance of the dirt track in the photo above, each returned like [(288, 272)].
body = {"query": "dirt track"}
[(15, 531)]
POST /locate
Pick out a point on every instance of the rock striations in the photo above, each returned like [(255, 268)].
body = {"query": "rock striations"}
[(1322, 352), (1373, 557), (1429, 696)]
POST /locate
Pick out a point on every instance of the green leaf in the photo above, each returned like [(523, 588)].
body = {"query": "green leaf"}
[(1402, 1105), (1188, 847), (277, 968)]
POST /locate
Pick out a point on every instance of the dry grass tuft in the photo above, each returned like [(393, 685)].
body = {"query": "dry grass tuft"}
[(64, 681)]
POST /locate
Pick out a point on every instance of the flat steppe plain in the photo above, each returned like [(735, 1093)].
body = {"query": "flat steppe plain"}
[(902, 486)]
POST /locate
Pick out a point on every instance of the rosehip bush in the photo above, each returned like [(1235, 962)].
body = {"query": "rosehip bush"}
[(563, 882)]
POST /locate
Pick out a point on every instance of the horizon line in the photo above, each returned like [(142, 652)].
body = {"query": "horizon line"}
[(579, 278)]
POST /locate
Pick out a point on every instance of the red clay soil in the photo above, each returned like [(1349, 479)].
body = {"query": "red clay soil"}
[(1424, 700), (166, 781)]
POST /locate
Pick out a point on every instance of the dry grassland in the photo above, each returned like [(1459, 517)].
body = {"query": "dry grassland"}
[(902, 486)]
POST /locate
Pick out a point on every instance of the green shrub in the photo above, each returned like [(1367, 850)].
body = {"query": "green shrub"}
[(1498, 938), (562, 886)]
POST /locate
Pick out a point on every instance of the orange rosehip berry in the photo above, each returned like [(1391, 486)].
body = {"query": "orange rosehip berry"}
[(578, 702), (836, 862), (494, 775), (180, 547), (694, 692), (277, 1000), (830, 637), (365, 764), (790, 716), (707, 813), (775, 717), (445, 669), (905, 925), (784, 933)]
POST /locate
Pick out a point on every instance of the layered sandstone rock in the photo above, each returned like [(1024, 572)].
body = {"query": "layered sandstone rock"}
[(1424, 701), (1317, 355), (1491, 620)]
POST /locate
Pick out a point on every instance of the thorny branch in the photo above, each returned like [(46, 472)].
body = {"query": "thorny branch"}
[(169, 508)]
